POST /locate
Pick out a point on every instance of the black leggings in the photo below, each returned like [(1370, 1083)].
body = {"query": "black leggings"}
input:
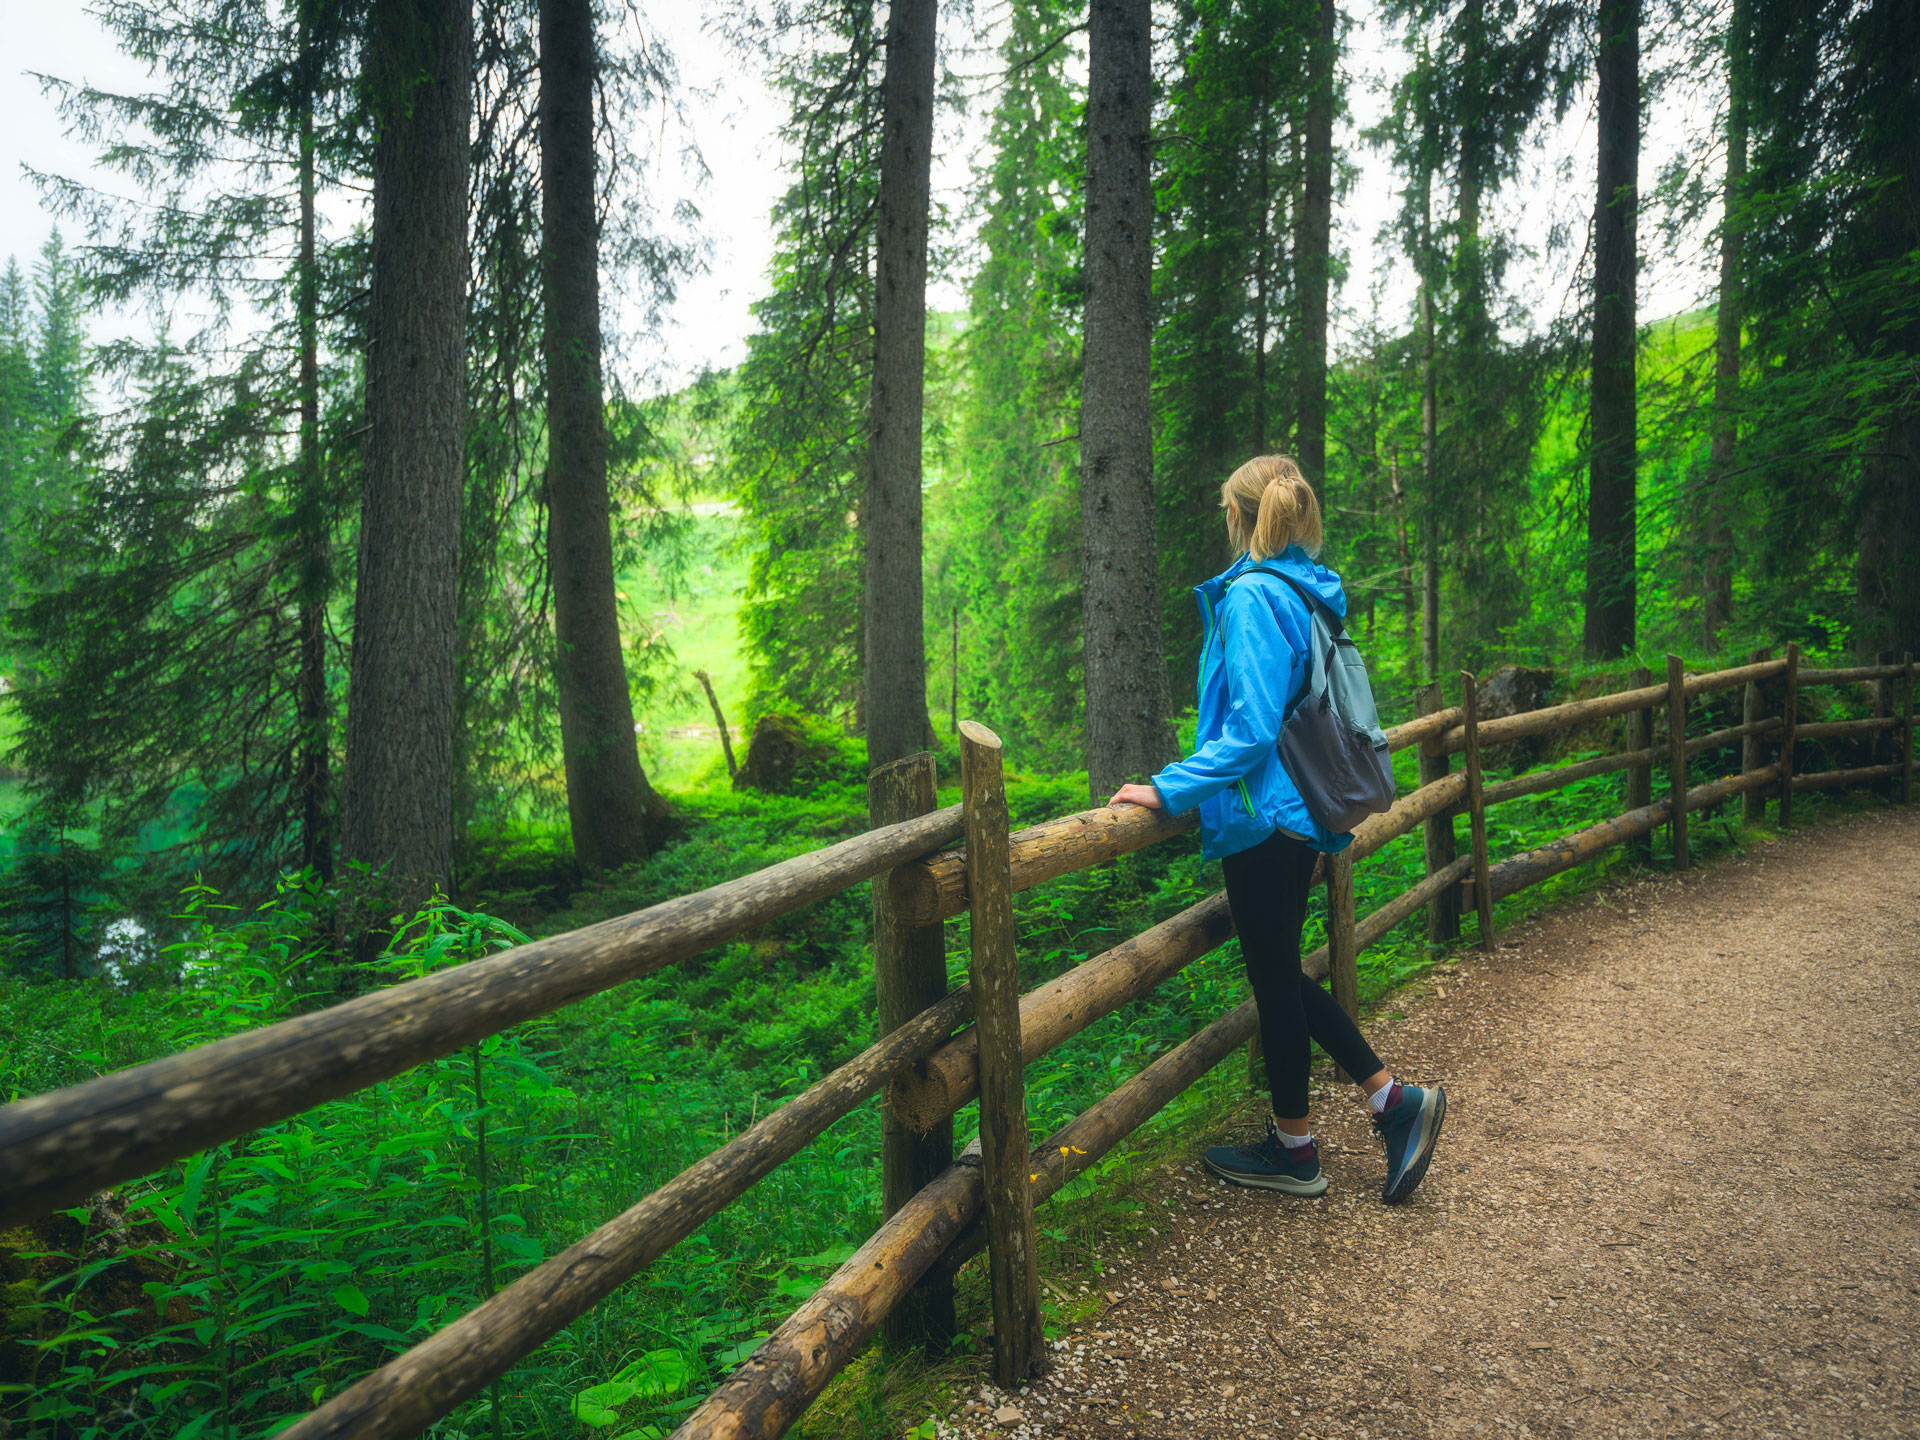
[(1267, 891)]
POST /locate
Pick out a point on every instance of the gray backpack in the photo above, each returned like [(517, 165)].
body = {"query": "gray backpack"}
[(1331, 741)]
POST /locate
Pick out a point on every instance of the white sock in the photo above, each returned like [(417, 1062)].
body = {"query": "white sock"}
[(1378, 1099), (1294, 1142)]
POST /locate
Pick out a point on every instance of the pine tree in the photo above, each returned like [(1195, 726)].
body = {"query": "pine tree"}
[(895, 658), (1006, 522), (1716, 539), (798, 457), (181, 619), (613, 808), (1611, 502), (18, 423), (397, 795), (1128, 734)]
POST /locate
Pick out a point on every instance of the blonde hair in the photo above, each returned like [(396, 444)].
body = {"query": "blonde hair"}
[(1284, 510)]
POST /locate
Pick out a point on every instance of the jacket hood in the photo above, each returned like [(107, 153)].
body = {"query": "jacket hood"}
[(1293, 561)]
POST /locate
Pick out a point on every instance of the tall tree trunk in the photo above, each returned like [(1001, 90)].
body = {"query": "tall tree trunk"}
[(1128, 733), (1262, 264), (612, 808), (1311, 262), (1886, 579), (1612, 411), (1716, 588), (1429, 417), (1407, 597), (312, 778), (397, 799), (896, 651)]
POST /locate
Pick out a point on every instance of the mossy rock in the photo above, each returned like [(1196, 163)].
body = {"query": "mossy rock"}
[(786, 757)]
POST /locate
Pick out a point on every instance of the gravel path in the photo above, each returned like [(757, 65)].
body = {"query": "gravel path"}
[(1676, 1194)]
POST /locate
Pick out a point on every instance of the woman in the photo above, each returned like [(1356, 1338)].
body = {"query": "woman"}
[(1254, 662)]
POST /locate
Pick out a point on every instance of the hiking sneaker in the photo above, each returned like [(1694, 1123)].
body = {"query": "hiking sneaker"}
[(1269, 1165), (1409, 1127)]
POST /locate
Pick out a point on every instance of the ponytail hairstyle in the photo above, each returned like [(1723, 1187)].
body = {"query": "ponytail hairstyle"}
[(1270, 492)]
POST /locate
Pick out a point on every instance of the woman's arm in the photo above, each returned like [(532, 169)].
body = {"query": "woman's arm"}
[(1261, 668)]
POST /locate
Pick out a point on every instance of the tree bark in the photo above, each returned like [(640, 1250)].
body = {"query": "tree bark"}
[(1611, 503), (614, 812), (313, 778), (1716, 588), (1312, 262), (397, 795), (896, 651), (1126, 682)]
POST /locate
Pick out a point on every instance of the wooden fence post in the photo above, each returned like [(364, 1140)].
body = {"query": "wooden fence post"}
[(1753, 804), (1788, 710), (1018, 1344), (909, 974), (1906, 772), (1640, 777), (1343, 950), (1883, 747), (1477, 810), (1677, 758), (1443, 912)]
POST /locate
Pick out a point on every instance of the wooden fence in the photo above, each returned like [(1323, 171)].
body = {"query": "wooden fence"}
[(59, 1148)]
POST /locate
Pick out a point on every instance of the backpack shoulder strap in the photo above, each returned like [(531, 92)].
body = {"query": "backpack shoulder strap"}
[(1314, 604)]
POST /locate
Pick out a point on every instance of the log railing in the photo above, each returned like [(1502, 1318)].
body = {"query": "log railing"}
[(57, 1149)]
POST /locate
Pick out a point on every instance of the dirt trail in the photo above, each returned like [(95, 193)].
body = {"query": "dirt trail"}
[(1676, 1194)]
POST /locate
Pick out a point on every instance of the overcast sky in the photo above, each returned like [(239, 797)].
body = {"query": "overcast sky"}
[(734, 118)]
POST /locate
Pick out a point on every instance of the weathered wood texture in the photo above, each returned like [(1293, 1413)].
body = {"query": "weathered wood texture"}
[(1834, 729), (1788, 712), (1083, 1141), (767, 1393), (909, 975), (413, 1390), (1713, 740), (1019, 1348), (59, 1148), (1639, 785), (1907, 753), (1857, 673), (1753, 805), (1536, 781), (786, 1374), (1677, 759), (1428, 724), (1477, 807), (1840, 779), (1343, 946), (1518, 872), (1441, 797), (1064, 1006), (1443, 917), (1371, 927), (1600, 707), (935, 888)]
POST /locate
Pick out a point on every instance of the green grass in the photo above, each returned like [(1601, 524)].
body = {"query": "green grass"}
[(689, 602)]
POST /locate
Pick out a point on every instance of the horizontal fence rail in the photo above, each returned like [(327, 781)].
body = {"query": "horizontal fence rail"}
[(59, 1148)]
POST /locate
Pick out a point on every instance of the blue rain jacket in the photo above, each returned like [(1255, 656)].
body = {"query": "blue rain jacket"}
[(1253, 664)]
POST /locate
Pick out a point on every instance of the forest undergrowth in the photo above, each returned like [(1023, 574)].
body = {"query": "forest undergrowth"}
[(228, 1294)]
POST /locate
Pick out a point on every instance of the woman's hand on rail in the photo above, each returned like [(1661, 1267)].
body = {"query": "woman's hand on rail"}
[(1137, 795)]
